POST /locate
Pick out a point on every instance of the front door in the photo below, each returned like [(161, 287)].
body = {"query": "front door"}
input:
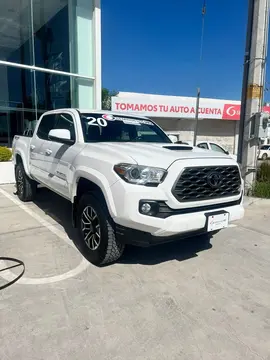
[(62, 156), (39, 149)]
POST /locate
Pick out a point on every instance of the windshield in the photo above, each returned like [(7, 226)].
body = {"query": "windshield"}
[(113, 128)]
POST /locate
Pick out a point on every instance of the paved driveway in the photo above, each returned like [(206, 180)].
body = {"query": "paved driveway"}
[(190, 300)]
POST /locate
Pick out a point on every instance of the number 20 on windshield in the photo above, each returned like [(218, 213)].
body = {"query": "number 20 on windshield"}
[(97, 122)]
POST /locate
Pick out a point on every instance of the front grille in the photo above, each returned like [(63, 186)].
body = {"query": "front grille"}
[(207, 182)]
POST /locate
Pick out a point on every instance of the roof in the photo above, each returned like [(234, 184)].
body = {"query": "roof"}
[(118, 113), (95, 111)]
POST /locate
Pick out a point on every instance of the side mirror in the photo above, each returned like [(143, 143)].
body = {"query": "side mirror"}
[(61, 135), (227, 153), (172, 138)]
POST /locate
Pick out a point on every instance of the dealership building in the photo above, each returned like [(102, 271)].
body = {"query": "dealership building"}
[(50, 57), (218, 119)]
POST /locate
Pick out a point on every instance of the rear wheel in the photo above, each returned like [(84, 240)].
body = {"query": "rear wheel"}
[(264, 156), (26, 187), (97, 237)]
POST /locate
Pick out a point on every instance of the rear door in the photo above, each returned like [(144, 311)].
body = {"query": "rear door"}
[(39, 149)]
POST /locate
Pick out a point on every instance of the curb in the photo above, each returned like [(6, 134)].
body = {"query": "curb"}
[(7, 173)]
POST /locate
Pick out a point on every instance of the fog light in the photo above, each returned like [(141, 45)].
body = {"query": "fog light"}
[(146, 208)]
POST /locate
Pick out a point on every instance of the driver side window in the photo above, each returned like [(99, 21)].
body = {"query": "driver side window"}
[(65, 121), (47, 123)]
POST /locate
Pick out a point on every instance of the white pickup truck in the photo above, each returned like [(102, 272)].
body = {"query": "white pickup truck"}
[(127, 182)]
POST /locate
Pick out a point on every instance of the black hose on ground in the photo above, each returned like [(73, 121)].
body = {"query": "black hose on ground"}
[(18, 263)]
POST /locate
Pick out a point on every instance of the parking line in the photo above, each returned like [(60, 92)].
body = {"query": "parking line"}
[(62, 235), (8, 275)]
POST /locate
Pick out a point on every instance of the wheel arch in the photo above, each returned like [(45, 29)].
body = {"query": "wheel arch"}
[(91, 185), (19, 158)]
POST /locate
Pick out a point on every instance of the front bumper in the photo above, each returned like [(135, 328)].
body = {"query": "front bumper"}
[(185, 220), (184, 225), (128, 215), (143, 239)]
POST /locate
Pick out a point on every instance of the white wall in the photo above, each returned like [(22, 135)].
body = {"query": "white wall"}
[(223, 132)]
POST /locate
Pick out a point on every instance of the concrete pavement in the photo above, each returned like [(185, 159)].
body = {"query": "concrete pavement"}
[(190, 300)]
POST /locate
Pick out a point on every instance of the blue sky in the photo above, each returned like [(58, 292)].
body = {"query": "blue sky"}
[(153, 46)]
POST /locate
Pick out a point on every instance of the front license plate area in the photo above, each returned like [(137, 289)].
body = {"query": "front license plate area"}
[(217, 221)]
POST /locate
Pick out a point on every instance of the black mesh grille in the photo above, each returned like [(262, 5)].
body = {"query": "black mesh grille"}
[(207, 182)]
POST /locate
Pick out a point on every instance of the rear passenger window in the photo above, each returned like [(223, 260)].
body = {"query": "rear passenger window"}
[(47, 123)]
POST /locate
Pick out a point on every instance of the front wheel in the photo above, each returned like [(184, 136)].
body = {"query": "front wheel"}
[(96, 232), (26, 187)]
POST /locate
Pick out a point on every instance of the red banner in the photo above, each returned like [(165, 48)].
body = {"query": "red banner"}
[(179, 107), (232, 111)]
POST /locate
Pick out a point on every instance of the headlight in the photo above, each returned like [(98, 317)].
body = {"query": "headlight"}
[(140, 175)]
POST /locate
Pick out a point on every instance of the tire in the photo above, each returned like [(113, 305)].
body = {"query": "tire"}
[(26, 188), (101, 246), (265, 156)]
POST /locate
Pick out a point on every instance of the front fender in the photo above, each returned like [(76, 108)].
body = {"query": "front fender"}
[(100, 180), (24, 161)]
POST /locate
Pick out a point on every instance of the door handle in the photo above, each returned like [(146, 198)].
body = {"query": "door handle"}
[(48, 152), (32, 147)]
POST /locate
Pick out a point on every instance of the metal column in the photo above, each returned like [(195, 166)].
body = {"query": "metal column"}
[(253, 85)]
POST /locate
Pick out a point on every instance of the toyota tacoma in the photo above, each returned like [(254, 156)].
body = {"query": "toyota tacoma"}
[(127, 182)]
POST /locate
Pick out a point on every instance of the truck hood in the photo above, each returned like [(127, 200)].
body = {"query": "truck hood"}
[(152, 154)]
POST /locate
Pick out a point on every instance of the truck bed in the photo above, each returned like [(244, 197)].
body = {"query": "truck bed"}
[(22, 144)]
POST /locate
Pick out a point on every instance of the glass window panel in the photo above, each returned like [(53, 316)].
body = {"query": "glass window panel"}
[(217, 148), (46, 125), (203, 146), (15, 32), (65, 121), (52, 91), (55, 91), (51, 27), (64, 35), (17, 103)]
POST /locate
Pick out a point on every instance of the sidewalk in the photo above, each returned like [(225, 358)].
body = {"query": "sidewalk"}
[(249, 200), (190, 300), (7, 173)]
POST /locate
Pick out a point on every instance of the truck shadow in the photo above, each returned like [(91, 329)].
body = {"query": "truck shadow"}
[(59, 210), (179, 250)]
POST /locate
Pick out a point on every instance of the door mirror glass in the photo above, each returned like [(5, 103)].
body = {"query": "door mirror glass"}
[(61, 135)]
